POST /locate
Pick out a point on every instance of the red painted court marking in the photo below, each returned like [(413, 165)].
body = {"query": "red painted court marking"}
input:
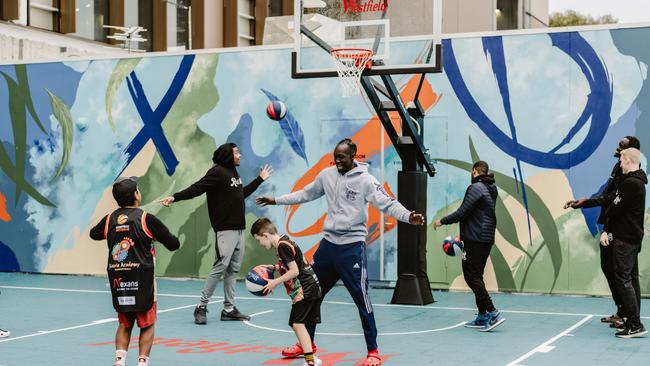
[(193, 347)]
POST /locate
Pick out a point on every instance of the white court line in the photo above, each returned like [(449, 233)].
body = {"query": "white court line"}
[(82, 291), (347, 334), (94, 322), (326, 302), (260, 313), (186, 306), (546, 346)]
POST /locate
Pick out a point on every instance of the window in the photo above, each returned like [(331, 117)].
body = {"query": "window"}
[(91, 16), (41, 14), (178, 25), (507, 14), (139, 13), (275, 8), (246, 23)]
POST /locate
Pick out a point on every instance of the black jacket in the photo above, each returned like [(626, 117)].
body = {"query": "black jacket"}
[(606, 196), (477, 216), (625, 214), (224, 190)]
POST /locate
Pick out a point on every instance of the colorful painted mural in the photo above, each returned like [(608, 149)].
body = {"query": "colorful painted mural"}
[(545, 110)]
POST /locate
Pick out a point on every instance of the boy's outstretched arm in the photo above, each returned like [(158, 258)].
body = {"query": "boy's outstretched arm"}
[(98, 231), (161, 234)]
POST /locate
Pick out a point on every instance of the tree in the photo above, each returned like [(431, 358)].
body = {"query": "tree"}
[(572, 17)]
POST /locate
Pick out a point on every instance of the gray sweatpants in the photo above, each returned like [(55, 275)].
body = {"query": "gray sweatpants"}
[(229, 255)]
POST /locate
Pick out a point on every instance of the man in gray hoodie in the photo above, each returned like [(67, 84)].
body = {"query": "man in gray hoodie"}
[(348, 188)]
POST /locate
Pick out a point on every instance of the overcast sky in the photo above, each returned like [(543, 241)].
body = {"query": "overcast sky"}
[(626, 11)]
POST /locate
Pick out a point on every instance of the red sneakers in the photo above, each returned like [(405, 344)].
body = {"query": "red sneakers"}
[(372, 359), (296, 351)]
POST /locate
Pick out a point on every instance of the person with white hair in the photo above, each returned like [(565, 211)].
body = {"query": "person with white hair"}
[(602, 200), (624, 232)]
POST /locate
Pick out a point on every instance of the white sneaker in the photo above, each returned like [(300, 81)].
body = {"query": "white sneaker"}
[(4, 333), (317, 362)]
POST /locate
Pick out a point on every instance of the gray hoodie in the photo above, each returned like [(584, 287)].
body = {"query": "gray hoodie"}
[(347, 197)]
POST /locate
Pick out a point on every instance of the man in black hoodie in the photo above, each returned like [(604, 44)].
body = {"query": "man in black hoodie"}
[(225, 194), (602, 200), (624, 232), (478, 222)]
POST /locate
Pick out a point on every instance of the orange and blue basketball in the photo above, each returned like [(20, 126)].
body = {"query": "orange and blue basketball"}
[(453, 246), (257, 278), (276, 110)]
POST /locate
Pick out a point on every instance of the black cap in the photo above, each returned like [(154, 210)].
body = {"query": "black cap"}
[(124, 190)]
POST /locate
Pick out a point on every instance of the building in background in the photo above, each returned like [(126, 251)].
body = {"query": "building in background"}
[(461, 16), (54, 29), (458, 16), (175, 25)]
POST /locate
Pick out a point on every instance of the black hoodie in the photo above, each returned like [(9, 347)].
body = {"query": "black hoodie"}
[(625, 214), (223, 188), (477, 215), (605, 197)]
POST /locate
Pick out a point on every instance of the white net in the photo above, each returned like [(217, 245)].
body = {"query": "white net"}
[(350, 63)]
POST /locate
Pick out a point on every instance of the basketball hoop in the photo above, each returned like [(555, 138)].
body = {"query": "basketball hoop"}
[(350, 63)]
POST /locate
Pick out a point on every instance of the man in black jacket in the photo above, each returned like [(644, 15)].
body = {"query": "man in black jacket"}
[(225, 194), (602, 200), (623, 231), (478, 224)]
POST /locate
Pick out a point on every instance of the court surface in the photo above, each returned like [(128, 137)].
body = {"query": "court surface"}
[(69, 320)]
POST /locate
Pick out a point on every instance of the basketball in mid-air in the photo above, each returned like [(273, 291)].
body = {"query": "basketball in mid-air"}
[(276, 110), (453, 246), (257, 278)]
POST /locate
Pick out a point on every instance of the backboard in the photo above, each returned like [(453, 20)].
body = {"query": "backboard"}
[(404, 35)]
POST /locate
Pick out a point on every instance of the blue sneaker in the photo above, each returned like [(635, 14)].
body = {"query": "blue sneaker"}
[(495, 319), (479, 322)]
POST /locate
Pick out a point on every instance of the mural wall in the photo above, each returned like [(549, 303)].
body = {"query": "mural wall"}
[(545, 110)]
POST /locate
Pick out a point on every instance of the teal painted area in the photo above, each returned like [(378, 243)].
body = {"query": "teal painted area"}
[(531, 321)]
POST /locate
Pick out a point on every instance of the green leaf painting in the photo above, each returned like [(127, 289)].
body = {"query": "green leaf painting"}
[(19, 128), (19, 101), (21, 75), (121, 71), (62, 114)]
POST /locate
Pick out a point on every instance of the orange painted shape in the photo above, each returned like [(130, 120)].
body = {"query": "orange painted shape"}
[(309, 254), (4, 214)]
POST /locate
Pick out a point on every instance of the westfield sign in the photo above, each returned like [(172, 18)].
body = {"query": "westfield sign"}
[(363, 6)]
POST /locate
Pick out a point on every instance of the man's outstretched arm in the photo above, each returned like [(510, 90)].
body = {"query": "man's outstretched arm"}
[(265, 173), (379, 198), (311, 192), (210, 180)]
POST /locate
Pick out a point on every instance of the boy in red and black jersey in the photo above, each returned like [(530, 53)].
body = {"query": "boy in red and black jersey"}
[(130, 233), (299, 280)]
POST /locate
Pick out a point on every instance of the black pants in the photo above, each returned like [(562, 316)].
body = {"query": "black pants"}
[(626, 274), (607, 266), (476, 255)]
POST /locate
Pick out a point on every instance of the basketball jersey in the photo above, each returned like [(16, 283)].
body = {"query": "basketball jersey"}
[(130, 260), (306, 285)]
